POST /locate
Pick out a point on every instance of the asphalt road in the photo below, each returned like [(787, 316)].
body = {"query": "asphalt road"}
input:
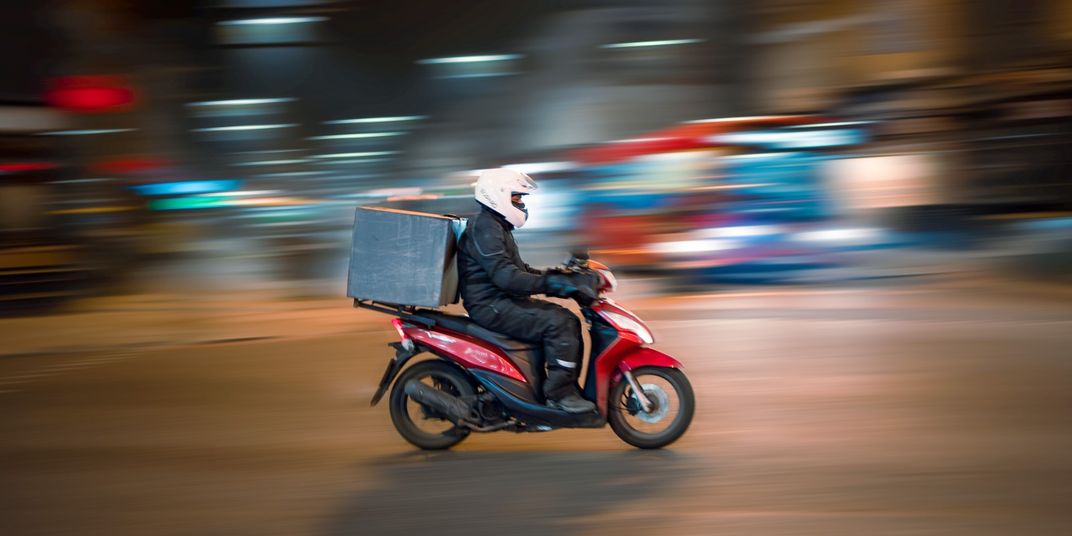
[(921, 408)]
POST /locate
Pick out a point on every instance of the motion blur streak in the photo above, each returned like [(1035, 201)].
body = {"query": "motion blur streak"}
[(851, 221)]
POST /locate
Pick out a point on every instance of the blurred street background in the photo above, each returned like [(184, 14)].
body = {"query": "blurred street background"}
[(850, 220)]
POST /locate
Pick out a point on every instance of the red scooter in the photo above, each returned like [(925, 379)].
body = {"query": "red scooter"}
[(482, 381)]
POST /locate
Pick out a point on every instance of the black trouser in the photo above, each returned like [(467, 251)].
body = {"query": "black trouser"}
[(536, 321)]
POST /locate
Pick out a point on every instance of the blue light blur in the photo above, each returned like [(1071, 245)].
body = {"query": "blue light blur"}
[(187, 187)]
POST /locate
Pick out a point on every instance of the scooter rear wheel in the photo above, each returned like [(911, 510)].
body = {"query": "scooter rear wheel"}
[(413, 421), (674, 404)]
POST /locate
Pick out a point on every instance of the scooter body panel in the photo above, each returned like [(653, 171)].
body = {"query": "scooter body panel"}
[(464, 350)]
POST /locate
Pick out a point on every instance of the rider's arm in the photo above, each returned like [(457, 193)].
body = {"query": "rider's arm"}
[(490, 245), (531, 270)]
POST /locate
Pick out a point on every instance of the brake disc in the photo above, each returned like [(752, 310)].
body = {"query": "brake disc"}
[(659, 399)]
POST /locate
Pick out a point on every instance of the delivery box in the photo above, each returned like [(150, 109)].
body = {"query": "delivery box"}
[(404, 258)]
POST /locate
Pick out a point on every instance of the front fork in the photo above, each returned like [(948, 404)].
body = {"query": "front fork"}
[(645, 404)]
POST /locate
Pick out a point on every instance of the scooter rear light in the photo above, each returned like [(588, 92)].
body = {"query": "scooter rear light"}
[(407, 342)]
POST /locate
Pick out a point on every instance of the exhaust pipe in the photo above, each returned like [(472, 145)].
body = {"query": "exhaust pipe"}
[(452, 407)]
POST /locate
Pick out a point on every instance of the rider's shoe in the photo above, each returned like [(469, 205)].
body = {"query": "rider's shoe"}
[(572, 403)]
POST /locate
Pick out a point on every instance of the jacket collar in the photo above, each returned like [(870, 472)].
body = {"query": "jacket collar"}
[(497, 217)]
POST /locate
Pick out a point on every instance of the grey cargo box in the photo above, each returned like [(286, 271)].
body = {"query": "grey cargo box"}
[(404, 258)]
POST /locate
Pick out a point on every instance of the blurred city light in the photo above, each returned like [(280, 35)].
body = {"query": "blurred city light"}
[(470, 59), (87, 132), (269, 151), (187, 187), (647, 44), (357, 136), (240, 102), (534, 168), (93, 93), (244, 127), (355, 155), (247, 193), (360, 120), (272, 21), (349, 161), (271, 162), (282, 174), (793, 140), (18, 167)]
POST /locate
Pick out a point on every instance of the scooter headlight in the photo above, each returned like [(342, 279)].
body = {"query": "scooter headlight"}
[(632, 326)]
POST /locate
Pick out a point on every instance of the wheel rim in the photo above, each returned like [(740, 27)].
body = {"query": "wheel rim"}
[(666, 406), (424, 419), (660, 402)]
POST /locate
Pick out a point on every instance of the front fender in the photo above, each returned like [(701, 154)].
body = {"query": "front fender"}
[(642, 357), (647, 357)]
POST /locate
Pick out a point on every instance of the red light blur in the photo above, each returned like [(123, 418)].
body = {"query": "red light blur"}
[(122, 166), (90, 93), (22, 167)]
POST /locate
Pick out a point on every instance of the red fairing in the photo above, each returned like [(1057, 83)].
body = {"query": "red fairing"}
[(465, 351), (607, 365), (626, 353), (648, 357)]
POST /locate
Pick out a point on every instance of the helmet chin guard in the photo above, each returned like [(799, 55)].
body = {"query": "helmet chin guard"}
[(495, 187)]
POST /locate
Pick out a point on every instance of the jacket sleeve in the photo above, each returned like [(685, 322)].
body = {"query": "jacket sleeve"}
[(531, 270), (491, 253)]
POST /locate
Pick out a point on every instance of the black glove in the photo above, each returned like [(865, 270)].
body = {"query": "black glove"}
[(559, 285), (581, 286), (588, 284)]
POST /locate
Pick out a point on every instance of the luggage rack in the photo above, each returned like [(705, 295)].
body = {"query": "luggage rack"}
[(405, 312)]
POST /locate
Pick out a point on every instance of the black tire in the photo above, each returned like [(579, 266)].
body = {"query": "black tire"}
[(446, 377), (618, 412)]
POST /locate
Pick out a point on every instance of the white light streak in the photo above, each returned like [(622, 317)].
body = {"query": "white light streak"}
[(353, 161), (739, 231), (355, 155), (542, 167), (376, 120), (88, 132), (357, 136), (292, 174), (470, 59), (271, 162), (240, 102), (272, 20), (646, 44), (840, 235), (744, 119), (244, 127), (834, 124), (640, 140), (694, 246), (242, 193)]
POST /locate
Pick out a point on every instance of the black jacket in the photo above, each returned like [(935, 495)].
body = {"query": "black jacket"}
[(489, 265)]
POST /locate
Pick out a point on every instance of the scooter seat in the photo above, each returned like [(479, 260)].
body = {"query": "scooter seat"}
[(463, 324)]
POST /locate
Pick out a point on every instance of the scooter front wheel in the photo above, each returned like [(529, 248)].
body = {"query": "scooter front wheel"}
[(673, 405), (421, 425)]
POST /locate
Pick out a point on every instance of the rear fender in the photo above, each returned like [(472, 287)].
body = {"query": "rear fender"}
[(402, 355)]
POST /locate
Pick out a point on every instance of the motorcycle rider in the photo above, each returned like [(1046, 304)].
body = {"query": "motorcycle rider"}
[(496, 286)]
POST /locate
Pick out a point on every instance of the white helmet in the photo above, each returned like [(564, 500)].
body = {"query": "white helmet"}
[(495, 187)]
